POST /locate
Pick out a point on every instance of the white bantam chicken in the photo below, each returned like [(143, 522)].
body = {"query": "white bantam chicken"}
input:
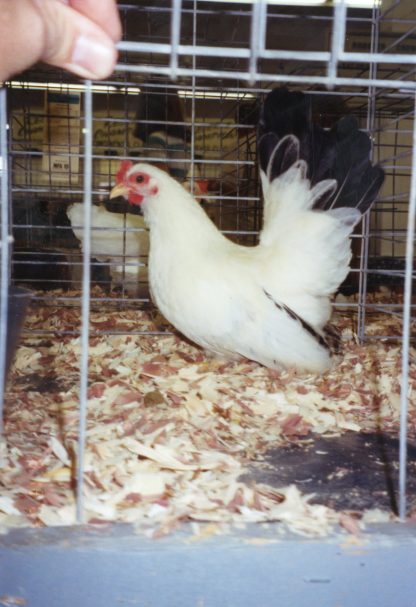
[(269, 303), (121, 240)]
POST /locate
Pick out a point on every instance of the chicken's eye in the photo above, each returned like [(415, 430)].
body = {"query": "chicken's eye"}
[(139, 179)]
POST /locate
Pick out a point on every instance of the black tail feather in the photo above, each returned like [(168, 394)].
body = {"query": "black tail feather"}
[(342, 153), (283, 155)]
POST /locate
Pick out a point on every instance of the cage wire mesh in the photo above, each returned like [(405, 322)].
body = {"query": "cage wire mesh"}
[(185, 96)]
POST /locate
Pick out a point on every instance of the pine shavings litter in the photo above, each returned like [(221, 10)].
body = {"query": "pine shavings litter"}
[(171, 431)]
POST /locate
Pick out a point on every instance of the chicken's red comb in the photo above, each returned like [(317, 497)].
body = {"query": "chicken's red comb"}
[(124, 167), (203, 185)]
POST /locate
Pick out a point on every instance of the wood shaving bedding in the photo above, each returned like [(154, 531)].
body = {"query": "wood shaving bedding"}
[(170, 430)]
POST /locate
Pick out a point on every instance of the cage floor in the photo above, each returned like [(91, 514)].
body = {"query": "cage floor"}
[(355, 471), (175, 436)]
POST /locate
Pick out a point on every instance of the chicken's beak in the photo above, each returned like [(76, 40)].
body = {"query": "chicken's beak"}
[(119, 190)]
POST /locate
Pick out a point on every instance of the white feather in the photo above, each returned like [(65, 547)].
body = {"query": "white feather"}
[(216, 292), (310, 249), (122, 240)]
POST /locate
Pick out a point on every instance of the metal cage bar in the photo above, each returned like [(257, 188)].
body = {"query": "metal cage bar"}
[(338, 38), (257, 50), (4, 245), (258, 36), (404, 393), (175, 36), (86, 295)]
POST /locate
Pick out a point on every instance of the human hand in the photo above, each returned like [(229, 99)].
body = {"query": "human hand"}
[(77, 35)]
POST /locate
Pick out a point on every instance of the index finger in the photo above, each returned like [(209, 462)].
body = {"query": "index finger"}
[(105, 16)]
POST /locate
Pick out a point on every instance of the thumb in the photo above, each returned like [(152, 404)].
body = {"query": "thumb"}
[(53, 32)]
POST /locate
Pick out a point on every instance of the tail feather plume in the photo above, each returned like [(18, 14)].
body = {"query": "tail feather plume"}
[(286, 133), (317, 184)]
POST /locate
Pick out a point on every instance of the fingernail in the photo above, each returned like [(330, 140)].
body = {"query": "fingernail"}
[(92, 58)]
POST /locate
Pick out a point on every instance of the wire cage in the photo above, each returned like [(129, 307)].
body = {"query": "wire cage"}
[(185, 95)]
